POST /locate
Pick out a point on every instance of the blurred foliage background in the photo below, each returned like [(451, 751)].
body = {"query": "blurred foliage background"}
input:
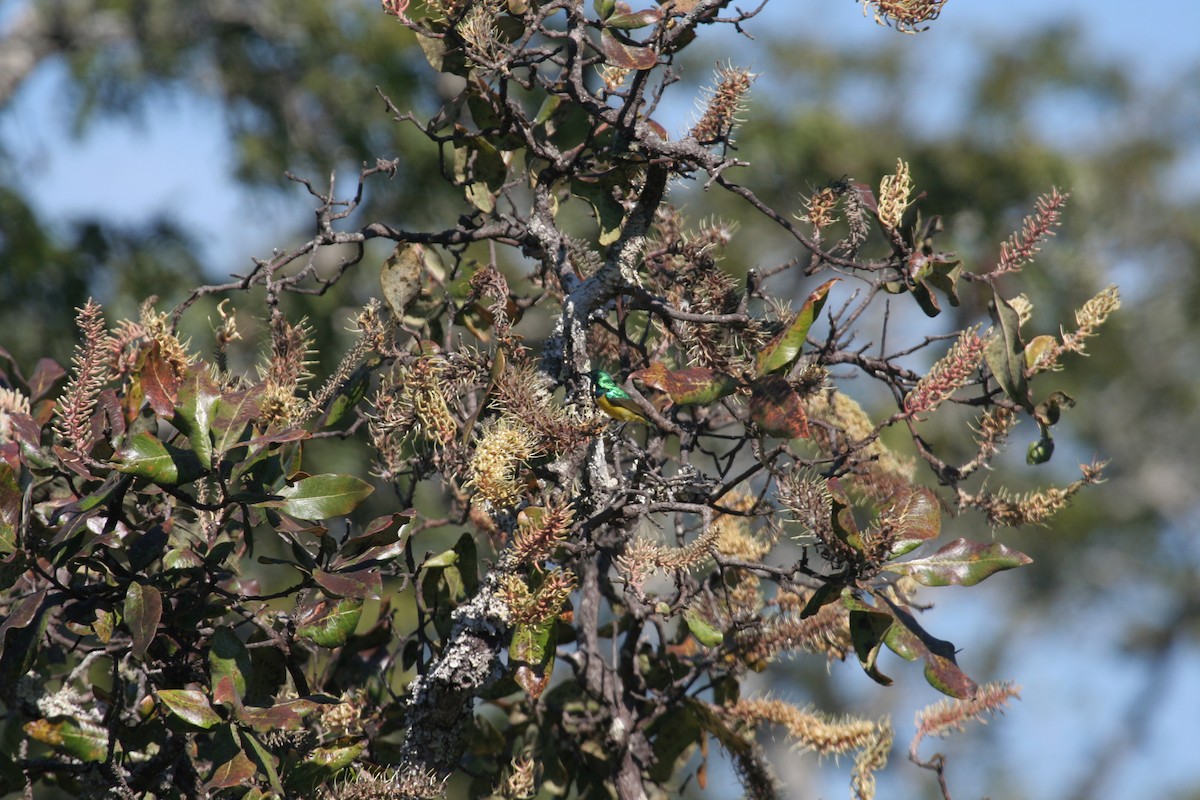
[(1111, 601)]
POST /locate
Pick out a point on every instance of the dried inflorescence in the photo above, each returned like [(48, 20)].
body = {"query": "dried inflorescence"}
[(722, 107), (906, 14), (1003, 508), (540, 531), (286, 371)]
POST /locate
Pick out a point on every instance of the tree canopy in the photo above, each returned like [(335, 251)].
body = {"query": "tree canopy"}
[(795, 316)]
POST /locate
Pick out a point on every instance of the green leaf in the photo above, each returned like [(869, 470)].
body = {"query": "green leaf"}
[(782, 351), (480, 167), (321, 496), (598, 192), (229, 658), (444, 52), (674, 734), (442, 560), (335, 757), (328, 622), (142, 612), (144, 456), (10, 510), (604, 8), (867, 632), (531, 643), (1005, 354), (823, 596), (962, 563), (189, 705), (400, 277), (704, 632), (263, 759), (85, 741), (194, 416)]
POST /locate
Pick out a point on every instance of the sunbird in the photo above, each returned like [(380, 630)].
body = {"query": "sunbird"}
[(615, 401)]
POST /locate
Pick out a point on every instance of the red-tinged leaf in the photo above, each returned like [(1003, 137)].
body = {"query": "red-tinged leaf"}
[(108, 415), (21, 613), (913, 518), (383, 539), (237, 771), (285, 716), (160, 383), (279, 437), (362, 584), (321, 496), (776, 408), (233, 415), (962, 563), (328, 622), (234, 768), (532, 680), (228, 660), (47, 373), (189, 705), (783, 350), (144, 456), (634, 20), (944, 675), (691, 386), (142, 612), (626, 56)]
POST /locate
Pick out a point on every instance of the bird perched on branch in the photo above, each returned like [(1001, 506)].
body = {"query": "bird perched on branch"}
[(615, 401)]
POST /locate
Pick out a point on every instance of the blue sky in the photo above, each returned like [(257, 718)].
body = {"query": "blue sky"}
[(177, 159)]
